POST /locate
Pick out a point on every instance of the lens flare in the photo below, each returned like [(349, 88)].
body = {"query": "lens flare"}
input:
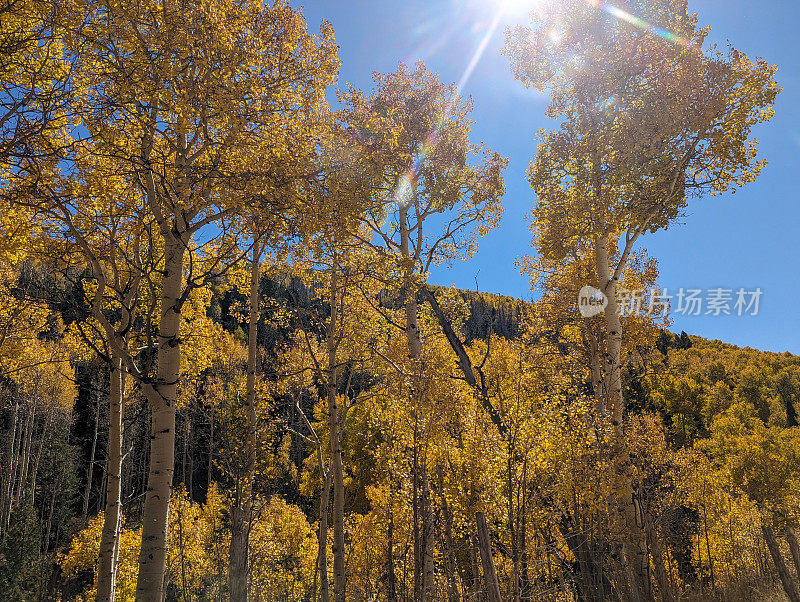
[(406, 181), (622, 15), (506, 7)]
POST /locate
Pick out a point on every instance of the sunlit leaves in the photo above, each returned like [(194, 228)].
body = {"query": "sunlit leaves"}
[(646, 124)]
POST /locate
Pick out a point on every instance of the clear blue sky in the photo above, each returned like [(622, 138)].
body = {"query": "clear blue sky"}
[(748, 240)]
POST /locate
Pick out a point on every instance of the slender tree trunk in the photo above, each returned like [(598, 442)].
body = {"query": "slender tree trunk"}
[(428, 537), (162, 397), (661, 572), (8, 472), (337, 468), (322, 536), (415, 509), (789, 584), (625, 511), (109, 539), (16, 461), (489, 572), (210, 451), (465, 363), (25, 449), (448, 545), (523, 535), (189, 429), (597, 376), (46, 542), (324, 502), (391, 577), (241, 513), (708, 543), (424, 541), (512, 526), (414, 344), (794, 546), (413, 338), (48, 417), (184, 448), (419, 508), (90, 471), (474, 562)]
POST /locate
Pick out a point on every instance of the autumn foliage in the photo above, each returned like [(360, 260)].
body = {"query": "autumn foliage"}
[(225, 374)]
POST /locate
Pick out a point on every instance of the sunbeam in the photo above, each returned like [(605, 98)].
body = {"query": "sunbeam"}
[(622, 15)]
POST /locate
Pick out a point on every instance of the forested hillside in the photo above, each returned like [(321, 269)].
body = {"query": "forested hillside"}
[(716, 460), (226, 370)]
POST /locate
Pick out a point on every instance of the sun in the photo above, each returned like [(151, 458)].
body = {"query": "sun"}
[(519, 8)]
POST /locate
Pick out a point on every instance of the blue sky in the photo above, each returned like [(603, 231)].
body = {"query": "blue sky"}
[(747, 240)]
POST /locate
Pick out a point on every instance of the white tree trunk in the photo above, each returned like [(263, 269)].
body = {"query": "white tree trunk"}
[(424, 563), (241, 513), (109, 539), (337, 468), (90, 471), (322, 537), (625, 510), (162, 397)]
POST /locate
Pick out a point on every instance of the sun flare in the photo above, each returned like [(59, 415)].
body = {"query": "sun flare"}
[(519, 8)]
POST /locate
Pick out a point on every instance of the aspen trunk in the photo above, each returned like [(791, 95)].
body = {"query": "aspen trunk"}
[(241, 513), (109, 539), (322, 530), (190, 473), (322, 539), (512, 524), (474, 562), (184, 448), (210, 451), (660, 569), (523, 539), (597, 378), (90, 472), (794, 546), (416, 511), (162, 397), (238, 552), (391, 578), (789, 584), (428, 537), (25, 450), (46, 541), (337, 468), (48, 416), (626, 515), (448, 545), (708, 543), (8, 474), (413, 337), (424, 540), (16, 458), (489, 572)]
